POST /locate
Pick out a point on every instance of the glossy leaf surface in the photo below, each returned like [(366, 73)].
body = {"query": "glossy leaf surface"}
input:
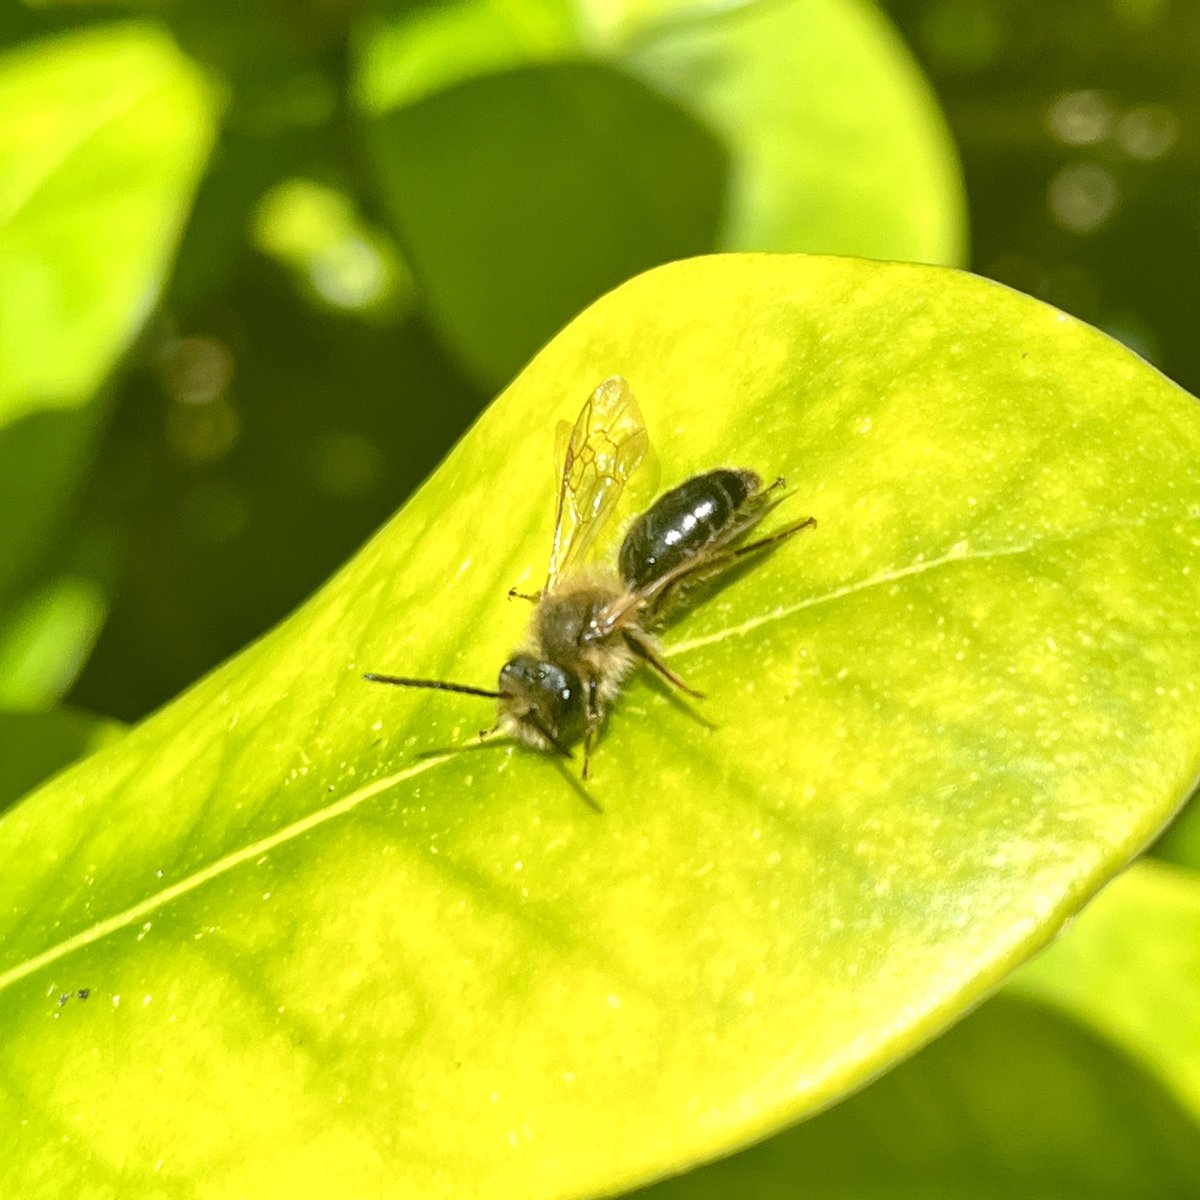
[(327, 949)]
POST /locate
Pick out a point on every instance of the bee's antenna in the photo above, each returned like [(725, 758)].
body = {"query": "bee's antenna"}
[(439, 685), (577, 786)]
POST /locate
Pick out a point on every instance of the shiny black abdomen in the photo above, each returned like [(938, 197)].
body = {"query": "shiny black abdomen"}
[(684, 522)]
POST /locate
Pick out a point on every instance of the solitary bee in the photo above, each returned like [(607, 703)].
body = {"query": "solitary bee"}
[(591, 629)]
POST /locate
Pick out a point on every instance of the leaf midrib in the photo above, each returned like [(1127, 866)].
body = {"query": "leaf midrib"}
[(218, 867), (140, 911), (959, 553)]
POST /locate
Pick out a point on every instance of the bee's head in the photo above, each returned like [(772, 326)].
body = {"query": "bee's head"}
[(543, 702)]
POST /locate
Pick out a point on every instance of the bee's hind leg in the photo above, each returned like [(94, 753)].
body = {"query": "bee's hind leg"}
[(771, 539), (645, 651)]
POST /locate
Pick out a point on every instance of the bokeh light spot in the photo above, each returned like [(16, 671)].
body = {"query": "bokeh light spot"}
[(335, 256), (1083, 197), (1080, 118), (1147, 132)]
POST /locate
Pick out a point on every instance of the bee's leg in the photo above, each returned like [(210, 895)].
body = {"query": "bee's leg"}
[(780, 535), (593, 701), (758, 507), (484, 734), (594, 716), (645, 651), (650, 599), (513, 594), (703, 568)]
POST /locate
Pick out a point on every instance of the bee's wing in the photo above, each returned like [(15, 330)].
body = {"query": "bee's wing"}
[(598, 456)]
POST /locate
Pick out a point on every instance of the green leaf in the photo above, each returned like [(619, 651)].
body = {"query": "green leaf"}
[(1181, 842), (838, 144), (33, 746), (331, 944), (46, 640), (1130, 968), (1016, 1101), (103, 135), (801, 125)]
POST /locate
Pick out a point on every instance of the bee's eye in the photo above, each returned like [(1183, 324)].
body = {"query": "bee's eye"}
[(554, 692)]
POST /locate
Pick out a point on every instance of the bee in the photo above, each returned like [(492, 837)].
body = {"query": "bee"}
[(592, 628)]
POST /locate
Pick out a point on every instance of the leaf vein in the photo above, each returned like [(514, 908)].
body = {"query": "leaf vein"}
[(144, 908)]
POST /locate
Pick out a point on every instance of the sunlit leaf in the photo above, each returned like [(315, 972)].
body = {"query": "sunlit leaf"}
[(330, 944), (103, 135)]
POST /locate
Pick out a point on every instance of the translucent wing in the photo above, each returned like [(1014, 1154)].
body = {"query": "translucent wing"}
[(602, 451)]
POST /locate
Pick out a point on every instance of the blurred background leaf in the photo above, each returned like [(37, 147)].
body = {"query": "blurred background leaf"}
[(45, 640), (1015, 1101), (1076, 123), (1130, 968), (34, 745), (103, 135), (536, 154)]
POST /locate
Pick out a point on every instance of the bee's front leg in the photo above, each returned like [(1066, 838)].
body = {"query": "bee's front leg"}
[(594, 716)]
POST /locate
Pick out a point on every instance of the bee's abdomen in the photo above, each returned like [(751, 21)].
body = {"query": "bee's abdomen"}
[(683, 523)]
